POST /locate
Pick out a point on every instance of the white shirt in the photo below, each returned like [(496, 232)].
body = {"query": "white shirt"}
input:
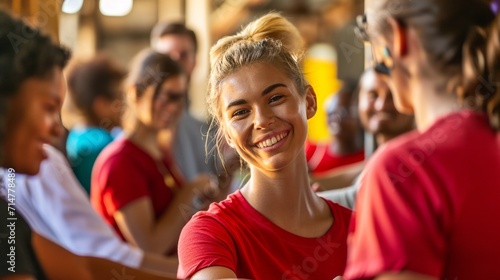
[(55, 206)]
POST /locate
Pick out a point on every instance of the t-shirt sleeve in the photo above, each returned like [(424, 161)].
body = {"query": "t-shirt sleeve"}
[(122, 181), (73, 223), (396, 226), (203, 243)]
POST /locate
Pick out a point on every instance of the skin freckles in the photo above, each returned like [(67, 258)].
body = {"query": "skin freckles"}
[(260, 103)]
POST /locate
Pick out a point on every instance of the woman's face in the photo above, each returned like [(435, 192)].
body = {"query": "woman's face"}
[(264, 117), (33, 119), (164, 110)]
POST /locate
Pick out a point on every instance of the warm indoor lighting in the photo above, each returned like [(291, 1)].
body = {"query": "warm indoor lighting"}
[(115, 8), (71, 6)]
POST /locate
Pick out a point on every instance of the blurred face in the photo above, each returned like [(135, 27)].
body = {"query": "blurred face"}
[(376, 107), (110, 110), (180, 48), (264, 117), (342, 119), (164, 110), (33, 120)]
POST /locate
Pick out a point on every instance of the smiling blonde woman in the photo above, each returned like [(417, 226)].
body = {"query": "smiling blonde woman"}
[(275, 226)]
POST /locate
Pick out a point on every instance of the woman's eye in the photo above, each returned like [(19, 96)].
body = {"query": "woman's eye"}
[(239, 112), (275, 98)]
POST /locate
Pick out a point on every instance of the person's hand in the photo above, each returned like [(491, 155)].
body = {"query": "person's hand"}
[(201, 191), (339, 278)]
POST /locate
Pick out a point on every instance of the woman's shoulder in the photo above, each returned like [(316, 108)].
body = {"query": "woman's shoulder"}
[(389, 151), (122, 153), (447, 135), (220, 214), (92, 135)]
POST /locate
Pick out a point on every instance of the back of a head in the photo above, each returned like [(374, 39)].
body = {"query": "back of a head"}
[(89, 79), (450, 34), (441, 25), (172, 28), (481, 88), (24, 53)]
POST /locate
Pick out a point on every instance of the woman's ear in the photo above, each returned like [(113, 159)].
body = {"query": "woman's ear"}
[(311, 102), (229, 141), (399, 46)]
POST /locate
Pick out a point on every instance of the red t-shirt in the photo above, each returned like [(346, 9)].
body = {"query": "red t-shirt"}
[(429, 203), (321, 158), (234, 235), (123, 173)]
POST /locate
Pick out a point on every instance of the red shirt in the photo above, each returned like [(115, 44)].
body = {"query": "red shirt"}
[(429, 203), (124, 173), (321, 158), (234, 235)]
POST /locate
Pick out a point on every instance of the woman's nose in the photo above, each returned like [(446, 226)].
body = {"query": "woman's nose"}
[(263, 117)]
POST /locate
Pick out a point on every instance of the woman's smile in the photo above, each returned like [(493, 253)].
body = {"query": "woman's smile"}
[(271, 140)]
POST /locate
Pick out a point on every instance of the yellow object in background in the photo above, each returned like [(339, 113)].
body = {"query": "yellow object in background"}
[(320, 68)]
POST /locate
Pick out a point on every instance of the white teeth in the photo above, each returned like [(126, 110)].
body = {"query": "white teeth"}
[(272, 141)]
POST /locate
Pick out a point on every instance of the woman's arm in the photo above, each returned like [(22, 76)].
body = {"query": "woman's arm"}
[(214, 272), (158, 263), (59, 263), (339, 177), (139, 227)]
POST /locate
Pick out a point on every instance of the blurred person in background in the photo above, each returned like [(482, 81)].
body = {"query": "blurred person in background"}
[(345, 151), (192, 151), (95, 101), (136, 185), (379, 118), (377, 112)]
